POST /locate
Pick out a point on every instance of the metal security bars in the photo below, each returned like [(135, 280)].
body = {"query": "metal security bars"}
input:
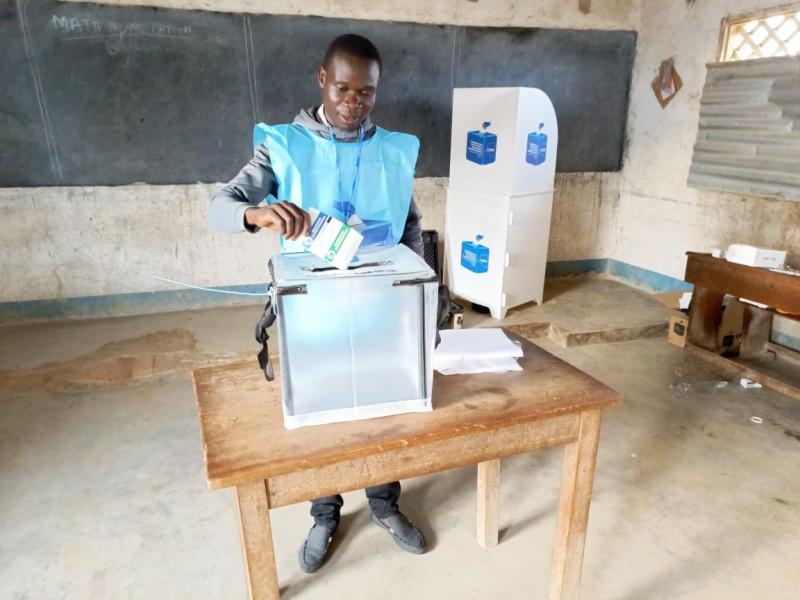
[(763, 34)]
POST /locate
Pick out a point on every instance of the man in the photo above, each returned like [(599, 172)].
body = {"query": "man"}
[(335, 159)]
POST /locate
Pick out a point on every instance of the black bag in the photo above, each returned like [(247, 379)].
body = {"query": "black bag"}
[(264, 323), (447, 307)]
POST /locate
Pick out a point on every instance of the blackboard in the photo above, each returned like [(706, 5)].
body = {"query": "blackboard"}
[(105, 95)]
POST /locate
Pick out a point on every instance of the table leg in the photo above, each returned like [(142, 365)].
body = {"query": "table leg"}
[(259, 555), (757, 329), (573, 508), (705, 314), (488, 492)]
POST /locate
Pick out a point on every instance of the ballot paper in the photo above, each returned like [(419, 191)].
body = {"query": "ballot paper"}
[(482, 350), (479, 365), (331, 240)]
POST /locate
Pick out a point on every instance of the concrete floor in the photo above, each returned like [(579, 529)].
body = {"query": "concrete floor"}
[(103, 493)]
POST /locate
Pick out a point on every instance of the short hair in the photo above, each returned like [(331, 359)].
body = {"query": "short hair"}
[(354, 45)]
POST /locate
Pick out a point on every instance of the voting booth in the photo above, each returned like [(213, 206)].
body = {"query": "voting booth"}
[(354, 343), (500, 195)]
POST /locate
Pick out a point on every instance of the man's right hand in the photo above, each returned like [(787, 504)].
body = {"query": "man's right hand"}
[(291, 221)]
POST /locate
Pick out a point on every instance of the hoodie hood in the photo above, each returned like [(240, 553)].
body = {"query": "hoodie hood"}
[(307, 117)]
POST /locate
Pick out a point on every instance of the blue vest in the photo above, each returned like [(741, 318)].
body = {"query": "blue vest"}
[(317, 172)]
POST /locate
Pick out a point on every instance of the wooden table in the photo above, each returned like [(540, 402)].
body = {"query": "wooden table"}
[(477, 419), (715, 277)]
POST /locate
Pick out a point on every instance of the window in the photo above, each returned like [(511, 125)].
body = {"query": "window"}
[(762, 34), (748, 135)]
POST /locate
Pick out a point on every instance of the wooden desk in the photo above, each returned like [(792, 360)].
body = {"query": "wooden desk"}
[(778, 290), (477, 419), (715, 277)]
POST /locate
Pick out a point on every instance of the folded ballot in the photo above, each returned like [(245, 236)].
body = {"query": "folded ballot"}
[(476, 351), (331, 240)]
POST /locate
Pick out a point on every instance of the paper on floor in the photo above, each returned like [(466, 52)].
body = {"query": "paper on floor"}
[(482, 350)]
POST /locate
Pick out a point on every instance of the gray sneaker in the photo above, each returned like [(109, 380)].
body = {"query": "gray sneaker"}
[(408, 537), (315, 548)]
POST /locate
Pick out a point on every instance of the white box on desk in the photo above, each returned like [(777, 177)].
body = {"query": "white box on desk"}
[(503, 141), (354, 344), (506, 266), (753, 256)]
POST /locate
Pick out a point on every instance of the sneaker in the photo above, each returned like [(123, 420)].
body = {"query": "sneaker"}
[(408, 537), (315, 548)]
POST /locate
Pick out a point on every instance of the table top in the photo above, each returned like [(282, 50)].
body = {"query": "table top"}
[(778, 290), (244, 439)]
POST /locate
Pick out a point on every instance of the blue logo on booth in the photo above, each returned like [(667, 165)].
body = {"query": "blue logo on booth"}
[(536, 150), (482, 145), (475, 256)]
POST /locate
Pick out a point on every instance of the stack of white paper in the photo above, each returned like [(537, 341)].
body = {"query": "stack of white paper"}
[(476, 351)]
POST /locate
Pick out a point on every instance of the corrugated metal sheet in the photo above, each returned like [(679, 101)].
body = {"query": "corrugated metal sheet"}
[(748, 140)]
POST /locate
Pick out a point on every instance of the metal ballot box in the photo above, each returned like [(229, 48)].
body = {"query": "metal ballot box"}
[(354, 344)]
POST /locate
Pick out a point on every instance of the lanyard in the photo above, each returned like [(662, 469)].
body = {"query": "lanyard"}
[(346, 205)]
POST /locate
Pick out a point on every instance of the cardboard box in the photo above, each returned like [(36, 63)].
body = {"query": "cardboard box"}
[(731, 326), (503, 141), (753, 256), (678, 329)]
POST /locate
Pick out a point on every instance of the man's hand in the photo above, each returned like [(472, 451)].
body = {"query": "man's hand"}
[(287, 219)]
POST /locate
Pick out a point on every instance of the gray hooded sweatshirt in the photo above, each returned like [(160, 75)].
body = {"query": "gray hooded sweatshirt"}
[(257, 180)]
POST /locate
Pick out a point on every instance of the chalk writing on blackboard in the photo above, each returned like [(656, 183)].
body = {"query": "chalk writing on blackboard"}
[(86, 25), (117, 35)]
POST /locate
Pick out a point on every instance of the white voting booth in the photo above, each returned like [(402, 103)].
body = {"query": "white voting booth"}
[(500, 197)]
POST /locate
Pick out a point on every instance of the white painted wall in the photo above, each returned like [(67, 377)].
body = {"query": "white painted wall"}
[(584, 208), (659, 217), (66, 242), (63, 242)]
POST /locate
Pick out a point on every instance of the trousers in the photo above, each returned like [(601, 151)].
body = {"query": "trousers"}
[(382, 501)]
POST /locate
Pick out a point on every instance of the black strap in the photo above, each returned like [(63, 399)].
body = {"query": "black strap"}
[(445, 310), (264, 361)]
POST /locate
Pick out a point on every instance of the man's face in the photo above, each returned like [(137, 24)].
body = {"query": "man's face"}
[(349, 86)]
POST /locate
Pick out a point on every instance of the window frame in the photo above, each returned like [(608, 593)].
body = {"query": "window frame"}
[(731, 20)]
